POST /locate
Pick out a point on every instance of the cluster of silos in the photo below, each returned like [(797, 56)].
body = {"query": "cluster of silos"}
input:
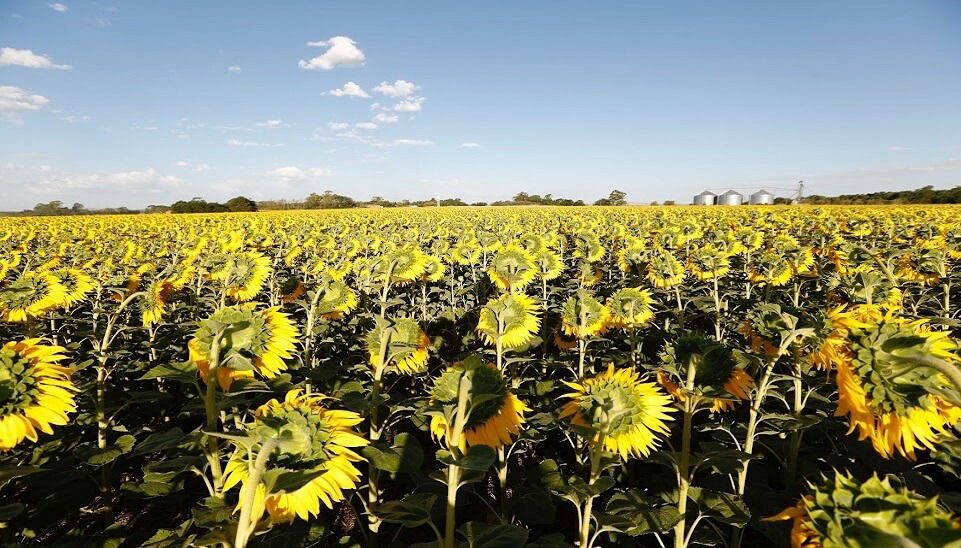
[(732, 198)]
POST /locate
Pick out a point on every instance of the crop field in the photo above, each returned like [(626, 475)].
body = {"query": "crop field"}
[(483, 377)]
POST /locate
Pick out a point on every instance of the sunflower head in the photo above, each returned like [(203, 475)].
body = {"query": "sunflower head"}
[(290, 289), (491, 416), (398, 342), (312, 444), (768, 326), (888, 393), (511, 318), (31, 295), (664, 270), (547, 264), (716, 372), (771, 268), (708, 262), (434, 269), (249, 340), (616, 409), (512, 269), (583, 316), (400, 266), (154, 301), (35, 392), (847, 512), (630, 307), (337, 298)]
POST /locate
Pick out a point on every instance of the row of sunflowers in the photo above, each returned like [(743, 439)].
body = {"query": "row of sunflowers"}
[(539, 377)]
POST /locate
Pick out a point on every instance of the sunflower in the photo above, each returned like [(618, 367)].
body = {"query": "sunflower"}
[(887, 397), (400, 266), (583, 316), (315, 440), (290, 289), (494, 421), (154, 300), (848, 512), (466, 253), (632, 255), (664, 270), (615, 407), (715, 371), (548, 265), (511, 318), (831, 336), (708, 262), (771, 268), (334, 299), (244, 275), (512, 269), (35, 392), (630, 307), (401, 343), (434, 270), (30, 296), (76, 283), (251, 341)]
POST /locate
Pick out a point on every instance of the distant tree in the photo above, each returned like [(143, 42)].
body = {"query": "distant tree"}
[(603, 202), (241, 203), (669, 202), (521, 197), (617, 198), (78, 208), (479, 204)]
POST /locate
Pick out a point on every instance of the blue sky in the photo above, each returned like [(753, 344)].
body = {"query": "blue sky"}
[(130, 103)]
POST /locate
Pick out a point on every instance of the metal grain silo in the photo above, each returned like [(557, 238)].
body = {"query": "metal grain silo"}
[(762, 197), (730, 198), (705, 198)]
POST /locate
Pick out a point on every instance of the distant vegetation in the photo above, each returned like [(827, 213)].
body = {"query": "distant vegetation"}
[(924, 195)]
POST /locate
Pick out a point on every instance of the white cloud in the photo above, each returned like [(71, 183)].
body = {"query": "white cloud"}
[(14, 100), (350, 89), (147, 181), (412, 105), (294, 174), (287, 172), (470, 145), (366, 125), (383, 118), (898, 149), (273, 124), (338, 126), (58, 7), (234, 69), (74, 119), (181, 163), (199, 168), (102, 22), (400, 89), (239, 143), (411, 143), (26, 58), (341, 52)]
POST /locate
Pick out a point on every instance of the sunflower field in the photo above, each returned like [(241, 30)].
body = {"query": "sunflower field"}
[(483, 377)]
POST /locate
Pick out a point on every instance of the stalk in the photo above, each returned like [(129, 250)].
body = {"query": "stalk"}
[(683, 472), (212, 414), (453, 471), (246, 525), (597, 452)]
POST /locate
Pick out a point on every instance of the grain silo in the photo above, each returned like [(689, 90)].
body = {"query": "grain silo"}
[(762, 197), (705, 198), (730, 198)]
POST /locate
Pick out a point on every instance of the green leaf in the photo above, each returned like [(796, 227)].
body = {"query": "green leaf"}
[(185, 372), (279, 480), (161, 441), (723, 507), (480, 535), (10, 511), (412, 511), (405, 455), (10, 472), (532, 506), (478, 457)]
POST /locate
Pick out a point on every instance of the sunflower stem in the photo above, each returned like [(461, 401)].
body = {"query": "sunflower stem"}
[(502, 478), (453, 471), (795, 447), (596, 455), (212, 414), (255, 469), (753, 416), (946, 368), (683, 467)]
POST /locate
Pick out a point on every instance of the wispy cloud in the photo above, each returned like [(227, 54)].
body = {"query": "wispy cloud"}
[(350, 89), (239, 143), (366, 125), (148, 180), (338, 126), (383, 118), (470, 145), (288, 175), (273, 124), (27, 58), (59, 7), (234, 69), (14, 101), (896, 148), (341, 52), (412, 105)]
